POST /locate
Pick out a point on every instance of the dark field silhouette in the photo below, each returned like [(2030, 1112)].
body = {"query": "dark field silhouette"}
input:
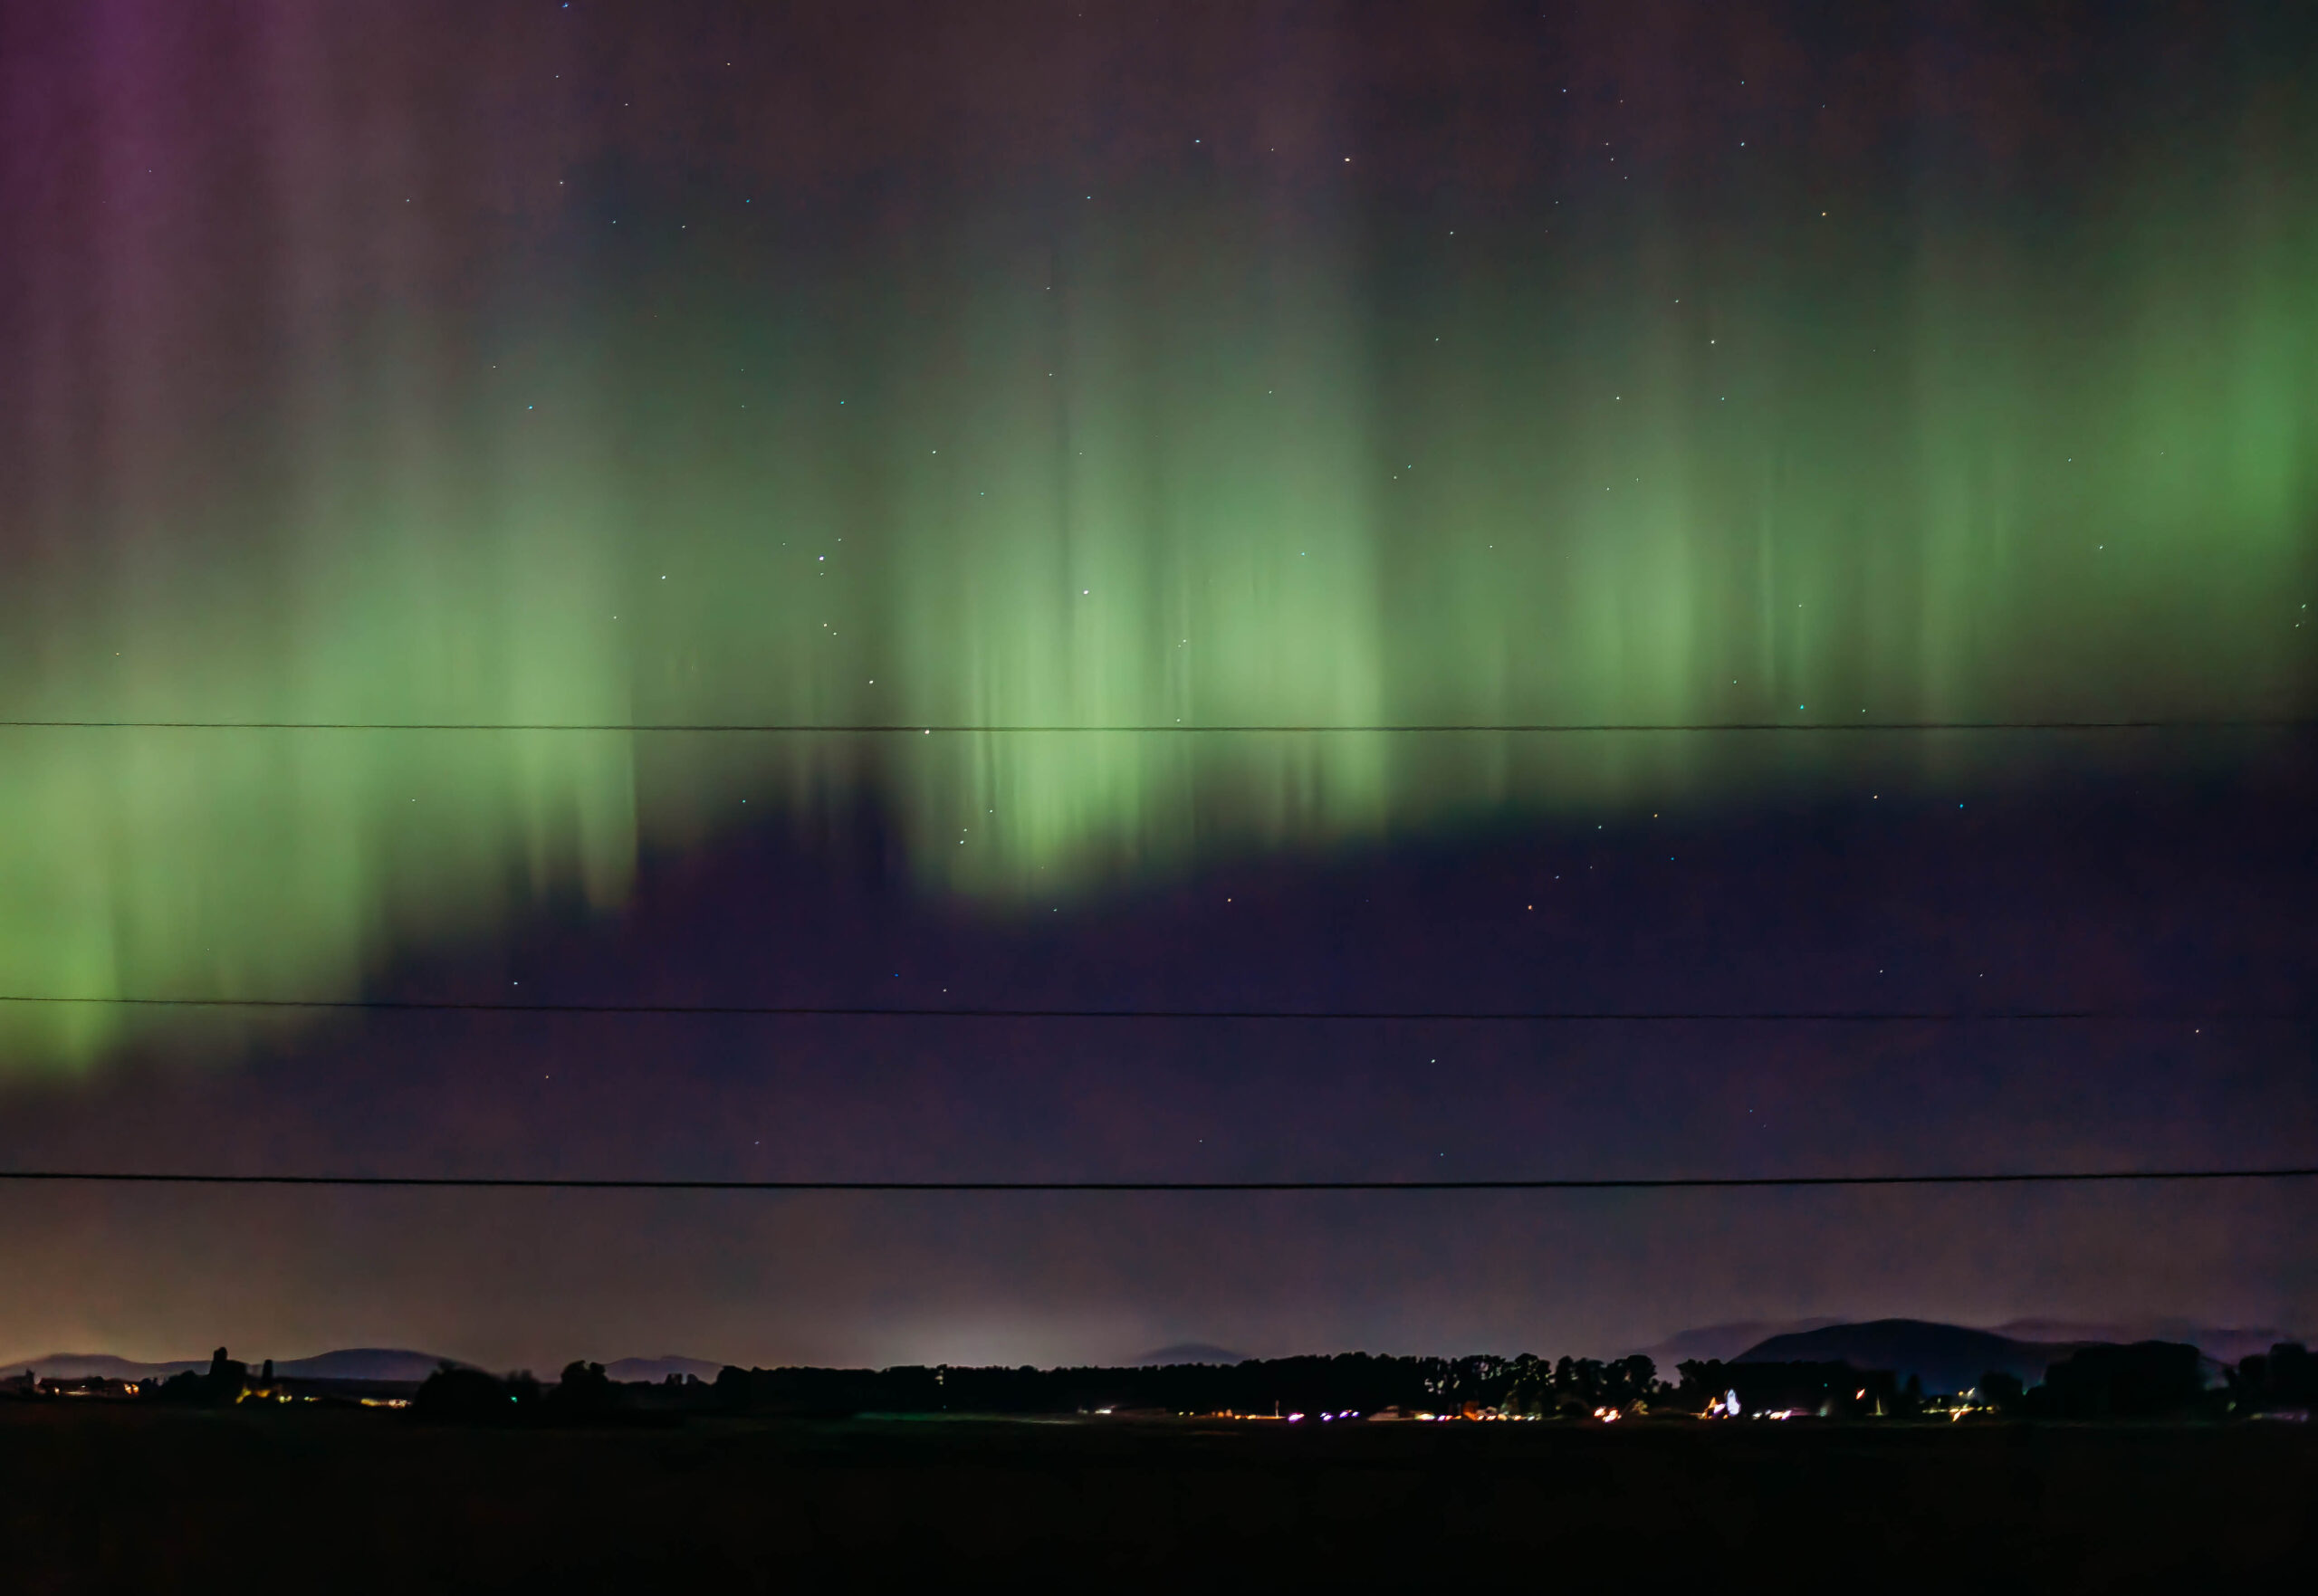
[(162, 1498)]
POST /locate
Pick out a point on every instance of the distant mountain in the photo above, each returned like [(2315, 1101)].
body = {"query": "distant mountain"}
[(1723, 1342), (2073, 1330), (83, 1365), (655, 1370), (390, 1363), (397, 1363), (1186, 1351), (2225, 1344), (1945, 1357)]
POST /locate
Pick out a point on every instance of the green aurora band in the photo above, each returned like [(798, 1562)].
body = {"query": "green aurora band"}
[(1204, 453)]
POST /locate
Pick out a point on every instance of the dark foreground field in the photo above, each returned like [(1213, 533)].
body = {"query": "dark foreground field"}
[(123, 1499)]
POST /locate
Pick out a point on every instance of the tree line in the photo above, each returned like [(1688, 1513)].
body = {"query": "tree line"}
[(2146, 1380)]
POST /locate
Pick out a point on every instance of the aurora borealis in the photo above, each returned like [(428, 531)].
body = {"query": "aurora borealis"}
[(321, 416), (619, 478)]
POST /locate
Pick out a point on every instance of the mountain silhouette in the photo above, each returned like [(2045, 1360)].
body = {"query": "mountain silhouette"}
[(1186, 1351), (1945, 1357), (101, 1365), (397, 1363), (386, 1364), (1723, 1343), (2223, 1344)]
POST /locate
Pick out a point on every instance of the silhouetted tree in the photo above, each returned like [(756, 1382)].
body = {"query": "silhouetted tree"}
[(2293, 1373), (457, 1395), (2001, 1391), (2285, 1377), (2148, 1379), (463, 1396), (1703, 1382), (1633, 1379), (584, 1392), (220, 1386)]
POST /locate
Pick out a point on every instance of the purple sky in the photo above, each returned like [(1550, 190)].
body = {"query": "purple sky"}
[(2127, 882), (2157, 898)]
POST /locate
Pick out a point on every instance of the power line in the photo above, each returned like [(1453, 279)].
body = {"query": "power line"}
[(1470, 1015), (917, 729), (1634, 1183)]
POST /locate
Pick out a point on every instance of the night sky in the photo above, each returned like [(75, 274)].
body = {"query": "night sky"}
[(1249, 507)]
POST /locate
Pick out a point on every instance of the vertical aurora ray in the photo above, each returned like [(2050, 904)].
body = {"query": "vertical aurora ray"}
[(319, 417)]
